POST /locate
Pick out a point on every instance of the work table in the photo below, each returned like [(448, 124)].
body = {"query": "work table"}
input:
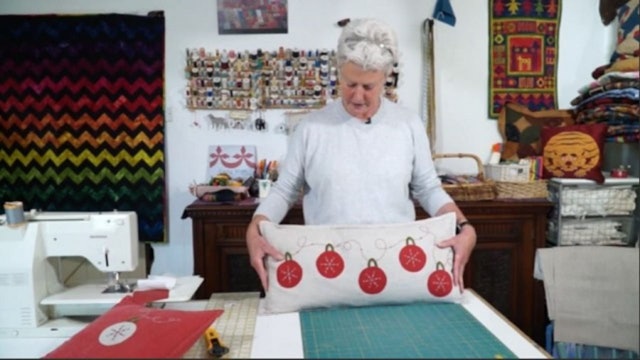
[(281, 336), (500, 269)]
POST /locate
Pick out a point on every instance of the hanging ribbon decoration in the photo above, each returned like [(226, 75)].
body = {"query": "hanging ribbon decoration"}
[(429, 82), (442, 11)]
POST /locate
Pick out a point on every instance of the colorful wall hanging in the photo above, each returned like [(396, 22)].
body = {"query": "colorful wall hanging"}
[(81, 114), (523, 53)]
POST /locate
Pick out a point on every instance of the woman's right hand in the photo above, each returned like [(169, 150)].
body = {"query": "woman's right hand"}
[(259, 248)]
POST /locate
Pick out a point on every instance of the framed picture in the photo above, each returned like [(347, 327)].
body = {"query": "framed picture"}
[(252, 16)]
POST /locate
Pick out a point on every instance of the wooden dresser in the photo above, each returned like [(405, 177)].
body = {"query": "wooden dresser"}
[(500, 269)]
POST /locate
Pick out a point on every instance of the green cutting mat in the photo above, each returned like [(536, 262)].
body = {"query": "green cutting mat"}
[(420, 330)]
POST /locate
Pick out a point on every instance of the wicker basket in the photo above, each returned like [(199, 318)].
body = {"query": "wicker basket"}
[(482, 189), (512, 182), (522, 190), (507, 172)]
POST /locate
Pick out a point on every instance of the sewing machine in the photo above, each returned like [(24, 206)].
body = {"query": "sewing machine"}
[(28, 278), (38, 309)]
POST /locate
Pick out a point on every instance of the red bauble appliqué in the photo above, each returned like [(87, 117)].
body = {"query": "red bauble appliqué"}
[(330, 263), (289, 273), (440, 282), (412, 257), (372, 280)]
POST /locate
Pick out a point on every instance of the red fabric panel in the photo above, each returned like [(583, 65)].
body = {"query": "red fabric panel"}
[(132, 330)]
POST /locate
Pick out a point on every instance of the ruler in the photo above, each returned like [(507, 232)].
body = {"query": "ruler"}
[(236, 326)]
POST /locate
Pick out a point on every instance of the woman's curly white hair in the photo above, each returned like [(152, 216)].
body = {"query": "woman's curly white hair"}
[(368, 43)]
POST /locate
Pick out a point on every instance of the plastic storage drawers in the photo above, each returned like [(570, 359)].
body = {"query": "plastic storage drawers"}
[(587, 213)]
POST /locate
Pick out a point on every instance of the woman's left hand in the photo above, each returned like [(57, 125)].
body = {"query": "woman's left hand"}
[(462, 245)]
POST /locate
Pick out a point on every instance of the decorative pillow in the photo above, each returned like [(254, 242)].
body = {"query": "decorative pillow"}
[(628, 42), (574, 151), (131, 330), (520, 129), (358, 265)]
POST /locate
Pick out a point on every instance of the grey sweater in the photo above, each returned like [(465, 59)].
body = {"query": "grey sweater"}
[(357, 173)]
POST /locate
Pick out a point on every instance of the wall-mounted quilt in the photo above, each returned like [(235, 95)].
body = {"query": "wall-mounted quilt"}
[(81, 114), (523, 53)]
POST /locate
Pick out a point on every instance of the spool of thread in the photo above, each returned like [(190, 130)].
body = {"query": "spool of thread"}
[(14, 212)]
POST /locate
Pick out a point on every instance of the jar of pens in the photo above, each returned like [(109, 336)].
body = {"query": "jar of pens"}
[(266, 175)]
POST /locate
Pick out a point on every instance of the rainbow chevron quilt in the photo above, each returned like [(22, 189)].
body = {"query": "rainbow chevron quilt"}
[(523, 53), (81, 114)]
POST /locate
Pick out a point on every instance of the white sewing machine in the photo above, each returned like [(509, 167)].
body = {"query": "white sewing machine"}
[(28, 279), (37, 310)]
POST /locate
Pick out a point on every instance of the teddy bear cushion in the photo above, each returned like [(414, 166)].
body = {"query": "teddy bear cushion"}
[(359, 265), (574, 152)]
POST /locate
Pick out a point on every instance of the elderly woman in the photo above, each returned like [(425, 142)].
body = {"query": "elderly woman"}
[(360, 160)]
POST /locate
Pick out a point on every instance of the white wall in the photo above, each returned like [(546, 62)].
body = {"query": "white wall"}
[(461, 78)]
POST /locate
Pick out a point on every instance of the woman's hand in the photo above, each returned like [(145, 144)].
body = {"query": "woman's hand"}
[(259, 248), (462, 245)]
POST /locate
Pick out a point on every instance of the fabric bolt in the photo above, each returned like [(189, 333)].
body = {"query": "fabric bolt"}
[(622, 130), (627, 138), (629, 93), (611, 117), (618, 75), (615, 104), (598, 89), (329, 142), (610, 111), (610, 77), (623, 120), (585, 305), (606, 100)]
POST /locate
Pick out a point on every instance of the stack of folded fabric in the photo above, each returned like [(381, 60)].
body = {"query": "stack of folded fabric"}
[(613, 98)]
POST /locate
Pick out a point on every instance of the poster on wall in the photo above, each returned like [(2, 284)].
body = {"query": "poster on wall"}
[(252, 17)]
